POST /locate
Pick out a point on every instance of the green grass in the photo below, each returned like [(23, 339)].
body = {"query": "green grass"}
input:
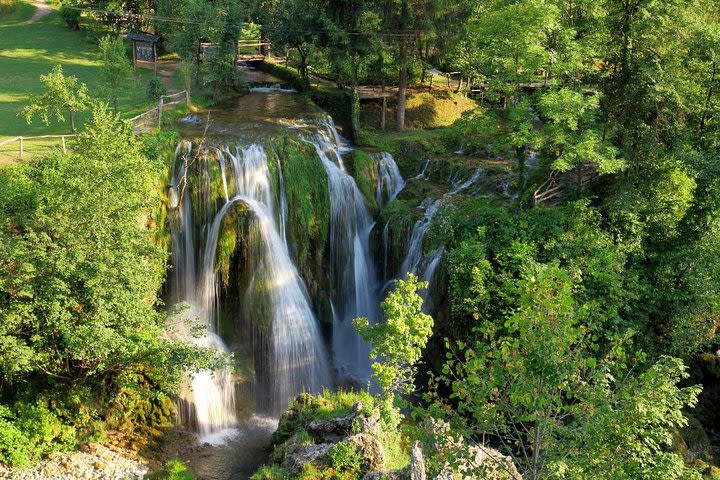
[(22, 12), (28, 51)]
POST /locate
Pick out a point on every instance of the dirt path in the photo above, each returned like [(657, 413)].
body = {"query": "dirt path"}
[(41, 9)]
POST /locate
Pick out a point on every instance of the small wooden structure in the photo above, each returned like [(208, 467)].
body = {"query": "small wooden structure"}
[(144, 48)]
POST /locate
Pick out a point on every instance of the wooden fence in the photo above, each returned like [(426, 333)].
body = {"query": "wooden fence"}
[(146, 121), (142, 123), (23, 140)]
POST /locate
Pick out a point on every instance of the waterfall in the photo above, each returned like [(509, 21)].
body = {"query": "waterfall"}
[(414, 256), (389, 180), (355, 292), (460, 186), (422, 175), (297, 360), (213, 393)]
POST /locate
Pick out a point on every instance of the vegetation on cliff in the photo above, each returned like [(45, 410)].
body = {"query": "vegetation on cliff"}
[(84, 347)]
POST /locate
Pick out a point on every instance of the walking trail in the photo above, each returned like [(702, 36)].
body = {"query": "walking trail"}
[(41, 9)]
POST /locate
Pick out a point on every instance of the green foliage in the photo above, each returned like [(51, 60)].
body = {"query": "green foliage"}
[(71, 16), (60, 93), (78, 286), (156, 88), (400, 340), (174, 470), (345, 455), (269, 472), (533, 381), (115, 68), (27, 432)]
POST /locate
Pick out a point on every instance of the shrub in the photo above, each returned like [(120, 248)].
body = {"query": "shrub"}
[(156, 88), (177, 470), (345, 455), (71, 17)]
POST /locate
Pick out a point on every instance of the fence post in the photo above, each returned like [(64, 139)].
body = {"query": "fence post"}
[(21, 147), (160, 109), (63, 143), (187, 97)]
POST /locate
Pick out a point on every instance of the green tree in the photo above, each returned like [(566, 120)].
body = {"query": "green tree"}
[(399, 341), (60, 94), (115, 68), (572, 132), (81, 336), (187, 37), (531, 381), (222, 75), (294, 25)]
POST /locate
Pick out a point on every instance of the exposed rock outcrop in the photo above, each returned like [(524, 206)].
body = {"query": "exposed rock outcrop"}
[(92, 461)]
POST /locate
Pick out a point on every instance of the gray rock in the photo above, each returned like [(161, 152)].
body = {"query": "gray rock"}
[(417, 463), (307, 454), (371, 450), (335, 429)]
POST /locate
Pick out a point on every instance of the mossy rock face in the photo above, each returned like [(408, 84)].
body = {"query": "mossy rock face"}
[(308, 200), (205, 185), (362, 167)]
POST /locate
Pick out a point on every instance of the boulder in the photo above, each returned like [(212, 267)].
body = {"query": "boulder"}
[(335, 429), (401, 474), (307, 454), (371, 450)]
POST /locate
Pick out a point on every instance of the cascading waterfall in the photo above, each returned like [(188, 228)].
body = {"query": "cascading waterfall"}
[(414, 261), (297, 360), (389, 180), (212, 393), (414, 256), (355, 292)]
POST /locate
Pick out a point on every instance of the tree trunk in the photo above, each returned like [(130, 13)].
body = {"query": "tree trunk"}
[(355, 99), (72, 121), (708, 97), (402, 88)]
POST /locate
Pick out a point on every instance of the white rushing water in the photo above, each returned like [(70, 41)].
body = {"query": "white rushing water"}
[(355, 285), (297, 360), (296, 357), (414, 256), (212, 394), (389, 180)]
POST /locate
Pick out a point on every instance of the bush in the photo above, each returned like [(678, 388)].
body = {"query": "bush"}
[(345, 455), (177, 470), (27, 432), (71, 17), (156, 88)]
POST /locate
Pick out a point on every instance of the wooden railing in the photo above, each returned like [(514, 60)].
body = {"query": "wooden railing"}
[(147, 120), (142, 123), (23, 139)]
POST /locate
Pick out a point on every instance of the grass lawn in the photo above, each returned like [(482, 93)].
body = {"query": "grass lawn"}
[(27, 51), (20, 14)]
